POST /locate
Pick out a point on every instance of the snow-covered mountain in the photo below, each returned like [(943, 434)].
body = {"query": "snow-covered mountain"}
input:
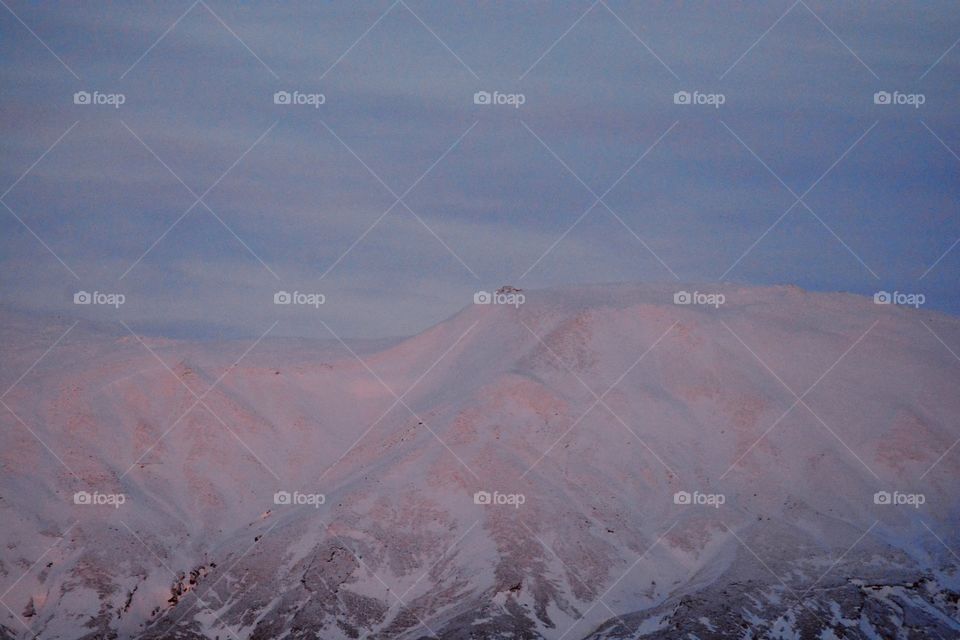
[(594, 463)]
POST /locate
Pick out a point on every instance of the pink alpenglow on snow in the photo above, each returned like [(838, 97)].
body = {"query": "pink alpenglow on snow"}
[(596, 462)]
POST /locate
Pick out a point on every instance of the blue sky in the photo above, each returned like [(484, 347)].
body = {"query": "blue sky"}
[(302, 198)]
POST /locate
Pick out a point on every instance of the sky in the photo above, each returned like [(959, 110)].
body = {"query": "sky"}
[(394, 194)]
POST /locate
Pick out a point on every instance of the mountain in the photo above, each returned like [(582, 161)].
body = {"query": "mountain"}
[(596, 462)]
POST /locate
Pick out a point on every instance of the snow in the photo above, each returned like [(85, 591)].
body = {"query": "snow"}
[(494, 398)]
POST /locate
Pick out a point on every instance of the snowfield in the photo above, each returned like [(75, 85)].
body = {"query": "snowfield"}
[(596, 462)]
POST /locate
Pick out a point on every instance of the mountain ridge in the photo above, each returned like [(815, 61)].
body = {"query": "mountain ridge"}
[(599, 405)]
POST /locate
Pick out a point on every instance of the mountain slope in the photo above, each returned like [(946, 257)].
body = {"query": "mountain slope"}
[(581, 413)]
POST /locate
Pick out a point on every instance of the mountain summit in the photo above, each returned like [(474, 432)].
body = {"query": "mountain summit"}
[(596, 462)]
